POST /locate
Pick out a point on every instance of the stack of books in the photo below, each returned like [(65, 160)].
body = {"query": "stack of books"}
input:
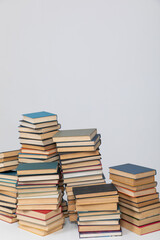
[(80, 161), (8, 160), (38, 190), (8, 196), (36, 132), (139, 201), (98, 213)]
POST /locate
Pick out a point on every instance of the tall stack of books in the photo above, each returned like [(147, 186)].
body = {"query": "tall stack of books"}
[(98, 213), (8, 160), (8, 196), (139, 201), (39, 199), (80, 161), (36, 132)]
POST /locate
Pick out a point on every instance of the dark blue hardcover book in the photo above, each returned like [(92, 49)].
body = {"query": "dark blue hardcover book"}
[(133, 169), (37, 166), (12, 175)]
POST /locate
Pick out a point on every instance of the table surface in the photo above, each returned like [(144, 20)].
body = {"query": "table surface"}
[(70, 231)]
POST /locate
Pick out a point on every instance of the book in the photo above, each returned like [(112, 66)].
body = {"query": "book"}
[(39, 136), (34, 160), (9, 163), (37, 168), (40, 130), (2, 160), (38, 177), (81, 174), (97, 207), (38, 126), (135, 193), (99, 222), (139, 199), (99, 217), (141, 204), (38, 207), (39, 221), (41, 214), (81, 169), (97, 200), (84, 178), (100, 234), (136, 188), (11, 175), (5, 169), (28, 153), (80, 143), (79, 148), (39, 117), (8, 219), (42, 143), (80, 160), (148, 228), (140, 222), (132, 182), (141, 209), (95, 190), (37, 229), (80, 164), (132, 171), (9, 154), (75, 155), (74, 135), (140, 215), (98, 228), (40, 148)]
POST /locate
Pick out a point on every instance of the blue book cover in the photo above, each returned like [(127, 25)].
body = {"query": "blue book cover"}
[(39, 114), (132, 168), (37, 166)]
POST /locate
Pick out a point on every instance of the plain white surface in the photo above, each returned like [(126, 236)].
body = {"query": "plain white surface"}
[(95, 64)]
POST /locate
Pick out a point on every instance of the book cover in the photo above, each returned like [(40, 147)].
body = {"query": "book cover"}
[(94, 189), (37, 166), (41, 114), (132, 168)]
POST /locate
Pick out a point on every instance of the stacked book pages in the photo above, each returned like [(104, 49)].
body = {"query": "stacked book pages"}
[(139, 201), (98, 212), (36, 131), (39, 198), (8, 160), (8, 196), (65, 208), (80, 161)]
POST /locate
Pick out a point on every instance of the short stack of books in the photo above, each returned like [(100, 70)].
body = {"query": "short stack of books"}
[(8, 196), (38, 190), (8, 160), (80, 161), (36, 132), (98, 212), (139, 201)]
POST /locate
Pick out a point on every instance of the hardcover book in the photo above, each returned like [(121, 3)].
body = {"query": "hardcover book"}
[(132, 171), (38, 117)]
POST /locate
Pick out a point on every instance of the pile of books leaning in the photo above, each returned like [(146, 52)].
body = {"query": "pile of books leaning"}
[(37, 191), (139, 200), (80, 161), (98, 212)]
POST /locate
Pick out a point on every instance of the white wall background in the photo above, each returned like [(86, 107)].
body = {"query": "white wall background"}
[(94, 63)]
